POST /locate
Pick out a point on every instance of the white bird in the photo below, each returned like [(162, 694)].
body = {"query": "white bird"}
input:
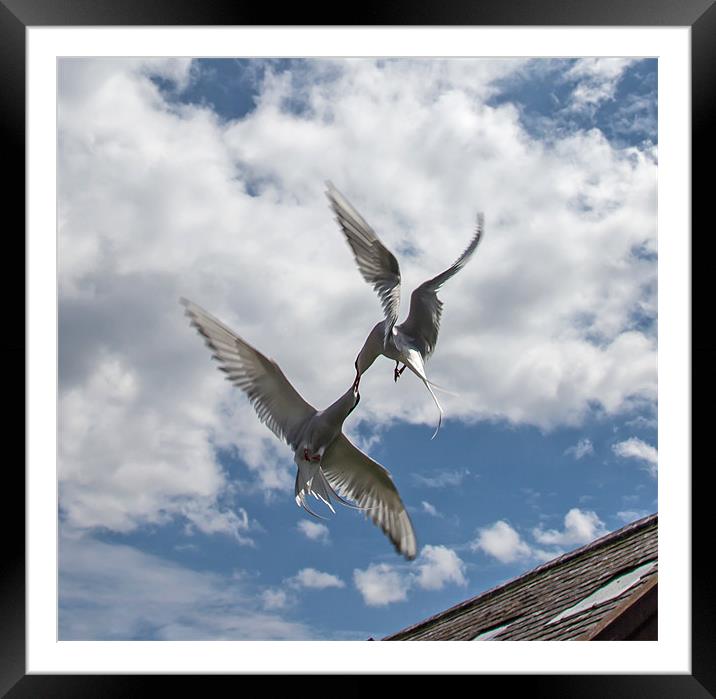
[(413, 341), (328, 463)]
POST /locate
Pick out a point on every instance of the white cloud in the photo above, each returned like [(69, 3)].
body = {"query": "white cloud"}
[(580, 527), (439, 565), (209, 520), (598, 80), (153, 203), (628, 516), (186, 547), (315, 579), (430, 509), (115, 592), (643, 422), (583, 447), (314, 531), (126, 458), (635, 448), (502, 542), (442, 479), (381, 584), (275, 599), (532, 497)]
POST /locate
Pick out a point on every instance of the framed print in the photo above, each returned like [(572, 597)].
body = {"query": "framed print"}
[(262, 174)]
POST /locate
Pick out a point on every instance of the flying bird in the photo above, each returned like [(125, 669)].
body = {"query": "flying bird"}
[(327, 462), (413, 341)]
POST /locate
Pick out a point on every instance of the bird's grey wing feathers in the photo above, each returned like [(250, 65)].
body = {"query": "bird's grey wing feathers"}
[(356, 476), (423, 321), (375, 262), (275, 400)]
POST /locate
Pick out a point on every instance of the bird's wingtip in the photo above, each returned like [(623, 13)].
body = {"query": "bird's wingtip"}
[(331, 191), (188, 305)]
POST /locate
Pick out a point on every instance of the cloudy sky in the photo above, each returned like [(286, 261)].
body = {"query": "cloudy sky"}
[(205, 179)]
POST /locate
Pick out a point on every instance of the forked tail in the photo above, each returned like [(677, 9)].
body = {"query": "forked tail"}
[(442, 389), (440, 417), (415, 364), (308, 484)]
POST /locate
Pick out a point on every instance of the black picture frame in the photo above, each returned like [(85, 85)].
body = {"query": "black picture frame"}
[(16, 15)]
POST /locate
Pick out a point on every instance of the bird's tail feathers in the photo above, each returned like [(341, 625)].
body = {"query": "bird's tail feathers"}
[(415, 364), (440, 418), (442, 389), (301, 502), (305, 479), (320, 488)]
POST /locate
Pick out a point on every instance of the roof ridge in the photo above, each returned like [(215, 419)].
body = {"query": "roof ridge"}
[(615, 535)]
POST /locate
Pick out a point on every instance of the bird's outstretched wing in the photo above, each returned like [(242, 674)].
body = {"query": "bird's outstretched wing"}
[(356, 476), (275, 400), (375, 262), (423, 321)]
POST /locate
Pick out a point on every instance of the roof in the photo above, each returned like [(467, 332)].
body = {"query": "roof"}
[(604, 590)]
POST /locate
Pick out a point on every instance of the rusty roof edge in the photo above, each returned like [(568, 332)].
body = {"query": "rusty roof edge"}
[(616, 535)]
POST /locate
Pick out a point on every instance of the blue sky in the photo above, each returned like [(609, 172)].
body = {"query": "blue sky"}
[(205, 179)]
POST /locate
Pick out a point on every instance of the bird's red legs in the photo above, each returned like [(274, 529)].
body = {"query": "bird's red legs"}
[(308, 457), (398, 373)]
